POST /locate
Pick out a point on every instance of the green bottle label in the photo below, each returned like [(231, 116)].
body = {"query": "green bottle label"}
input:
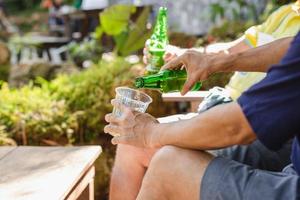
[(158, 42), (157, 59)]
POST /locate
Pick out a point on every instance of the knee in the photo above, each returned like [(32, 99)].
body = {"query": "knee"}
[(165, 155), (170, 160), (165, 159), (131, 155), (159, 174), (170, 164)]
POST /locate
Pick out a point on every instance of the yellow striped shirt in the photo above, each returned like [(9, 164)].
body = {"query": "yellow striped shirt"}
[(284, 22)]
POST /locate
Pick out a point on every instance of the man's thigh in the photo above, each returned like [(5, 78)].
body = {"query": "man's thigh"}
[(258, 156), (230, 180)]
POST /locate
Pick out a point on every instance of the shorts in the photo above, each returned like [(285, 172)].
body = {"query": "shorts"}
[(250, 172)]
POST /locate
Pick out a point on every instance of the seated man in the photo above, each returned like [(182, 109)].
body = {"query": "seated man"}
[(131, 163), (268, 111)]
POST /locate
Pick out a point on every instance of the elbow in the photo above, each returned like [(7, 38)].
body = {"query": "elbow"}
[(245, 138), (240, 135)]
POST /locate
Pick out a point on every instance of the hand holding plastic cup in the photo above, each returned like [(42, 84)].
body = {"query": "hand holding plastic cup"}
[(134, 99)]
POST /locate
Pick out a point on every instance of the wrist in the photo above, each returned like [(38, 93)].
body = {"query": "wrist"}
[(154, 135), (222, 62)]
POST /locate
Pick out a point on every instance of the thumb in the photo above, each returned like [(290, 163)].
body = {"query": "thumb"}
[(168, 57), (173, 64)]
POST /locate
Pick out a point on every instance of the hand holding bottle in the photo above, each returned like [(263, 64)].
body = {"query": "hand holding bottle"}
[(198, 66)]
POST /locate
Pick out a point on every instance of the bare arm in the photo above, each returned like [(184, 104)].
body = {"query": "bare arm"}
[(235, 46), (219, 127), (222, 126), (258, 59), (199, 66)]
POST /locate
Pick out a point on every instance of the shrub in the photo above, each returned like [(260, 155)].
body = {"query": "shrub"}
[(4, 72), (90, 92), (30, 114), (65, 110)]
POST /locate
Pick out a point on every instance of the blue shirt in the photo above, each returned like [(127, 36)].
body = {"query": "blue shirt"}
[(272, 106)]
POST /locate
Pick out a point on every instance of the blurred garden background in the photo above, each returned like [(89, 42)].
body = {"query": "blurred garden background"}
[(61, 60)]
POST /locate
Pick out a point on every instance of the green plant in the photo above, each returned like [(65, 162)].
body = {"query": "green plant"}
[(218, 10), (67, 109), (5, 138), (229, 30), (4, 72), (86, 50), (129, 36), (31, 113), (90, 92)]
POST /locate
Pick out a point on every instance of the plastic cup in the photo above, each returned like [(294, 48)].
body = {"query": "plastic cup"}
[(134, 99)]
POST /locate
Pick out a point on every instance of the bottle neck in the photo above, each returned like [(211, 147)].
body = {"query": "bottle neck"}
[(160, 29), (150, 81)]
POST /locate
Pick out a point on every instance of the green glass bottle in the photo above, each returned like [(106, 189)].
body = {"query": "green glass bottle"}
[(158, 42), (165, 81)]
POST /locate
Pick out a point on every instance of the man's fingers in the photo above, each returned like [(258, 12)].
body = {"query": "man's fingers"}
[(126, 139), (189, 83), (110, 118), (173, 64), (112, 129), (145, 60), (145, 51)]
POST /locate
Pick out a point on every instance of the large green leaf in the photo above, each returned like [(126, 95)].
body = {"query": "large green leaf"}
[(138, 34), (120, 41), (114, 20)]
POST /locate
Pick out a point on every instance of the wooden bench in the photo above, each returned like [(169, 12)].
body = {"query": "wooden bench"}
[(41, 44), (42, 173)]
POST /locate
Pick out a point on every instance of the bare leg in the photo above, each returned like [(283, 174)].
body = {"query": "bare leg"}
[(128, 172), (174, 173), (131, 164)]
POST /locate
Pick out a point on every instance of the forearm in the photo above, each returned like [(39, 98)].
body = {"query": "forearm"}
[(219, 127), (232, 47), (258, 59), (235, 46)]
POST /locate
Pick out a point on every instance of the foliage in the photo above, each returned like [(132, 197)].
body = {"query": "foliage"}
[(30, 114), (90, 92), (219, 79), (129, 36), (4, 72), (15, 6), (114, 20), (242, 11), (236, 8), (86, 50), (229, 30), (66, 110), (4, 137)]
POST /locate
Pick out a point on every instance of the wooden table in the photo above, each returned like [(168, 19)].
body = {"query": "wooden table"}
[(42, 173), (194, 97)]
